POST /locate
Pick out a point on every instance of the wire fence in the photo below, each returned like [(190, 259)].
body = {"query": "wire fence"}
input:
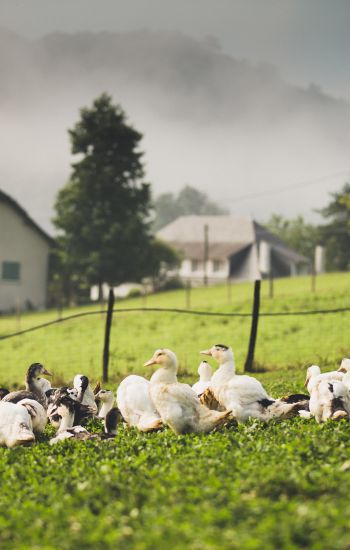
[(75, 343)]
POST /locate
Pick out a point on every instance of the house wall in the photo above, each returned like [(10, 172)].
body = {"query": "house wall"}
[(244, 264), (214, 275), (19, 242)]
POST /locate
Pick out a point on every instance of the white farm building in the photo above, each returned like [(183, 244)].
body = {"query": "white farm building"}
[(222, 247), (24, 258)]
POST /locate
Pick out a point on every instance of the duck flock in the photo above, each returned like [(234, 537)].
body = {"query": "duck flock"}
[(217, 399)]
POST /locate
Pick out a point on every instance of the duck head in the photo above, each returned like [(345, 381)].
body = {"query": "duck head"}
[(219, 352), (311, 372), (204, 371), (167, 362), (163, 357), (105, 396), (35, 371), (345, 365)]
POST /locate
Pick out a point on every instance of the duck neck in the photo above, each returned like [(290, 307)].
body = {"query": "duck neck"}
[(67, 421), (223, 374), (164, 375), (106, 407), (33, 385)]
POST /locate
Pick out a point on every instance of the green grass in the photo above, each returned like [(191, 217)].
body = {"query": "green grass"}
[(284, 485), (281, 485), (283, 342)]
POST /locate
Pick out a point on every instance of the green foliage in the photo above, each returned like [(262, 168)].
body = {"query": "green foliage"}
[(189, 200), (282, 485), (102, 211), (296, 233), (336, 234)]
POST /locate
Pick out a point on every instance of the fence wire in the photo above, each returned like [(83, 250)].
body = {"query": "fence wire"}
[(75, 344)]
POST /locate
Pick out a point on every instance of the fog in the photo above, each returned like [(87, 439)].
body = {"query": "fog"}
[(227, 126)]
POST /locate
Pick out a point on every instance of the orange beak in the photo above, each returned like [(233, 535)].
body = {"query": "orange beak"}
[(206, 352), (150, 362)]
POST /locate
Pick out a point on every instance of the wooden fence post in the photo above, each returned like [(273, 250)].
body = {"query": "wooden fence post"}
[(107, 334), (271, 289), (313, 279), (229, 290), (188, 294), (254, 328)]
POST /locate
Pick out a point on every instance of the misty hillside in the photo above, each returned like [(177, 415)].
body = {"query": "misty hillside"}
[(194, 78), (194, 104)]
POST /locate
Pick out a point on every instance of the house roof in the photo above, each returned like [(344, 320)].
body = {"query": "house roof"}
[(222, 229), (226, 236), (216, 251), (262, 234), (5, 198)]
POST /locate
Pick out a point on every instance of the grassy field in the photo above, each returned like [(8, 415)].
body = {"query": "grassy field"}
[(281, 485), (283, 342)]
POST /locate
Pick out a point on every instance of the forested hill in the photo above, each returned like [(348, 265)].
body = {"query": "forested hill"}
[(194, 79)]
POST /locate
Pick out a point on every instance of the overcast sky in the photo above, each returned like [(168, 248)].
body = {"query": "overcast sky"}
[(309, 40)]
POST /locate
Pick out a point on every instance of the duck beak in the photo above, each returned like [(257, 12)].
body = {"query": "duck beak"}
[(342, 369), (46, 372), (149, 362), (206, 352)]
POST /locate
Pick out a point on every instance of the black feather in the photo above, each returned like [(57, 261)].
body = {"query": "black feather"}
[(3, 392), (295, 398), (265, 402), (112, 419)]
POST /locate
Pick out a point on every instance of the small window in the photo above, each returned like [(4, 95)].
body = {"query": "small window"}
[(11, 271), (217, 265), (194, 265)]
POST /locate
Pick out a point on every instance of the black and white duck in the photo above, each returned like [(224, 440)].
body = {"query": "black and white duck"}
[(34, 387)]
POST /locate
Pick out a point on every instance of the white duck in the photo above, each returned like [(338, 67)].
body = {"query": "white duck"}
[(37, 414), (15, 425), (243, 395), (177, 403), (329, 399), (135, 404), (314, 376), (205, 372), (85, 393)]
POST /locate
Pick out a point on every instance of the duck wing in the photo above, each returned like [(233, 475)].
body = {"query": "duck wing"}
[(134, 400), (15, 396)]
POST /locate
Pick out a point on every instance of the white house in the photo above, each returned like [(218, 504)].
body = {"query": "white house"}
[(222, 247), (24, 257)]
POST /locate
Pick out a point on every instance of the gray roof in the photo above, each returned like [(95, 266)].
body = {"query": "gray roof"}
[(262, 234), (226, 236), (222, 229)]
